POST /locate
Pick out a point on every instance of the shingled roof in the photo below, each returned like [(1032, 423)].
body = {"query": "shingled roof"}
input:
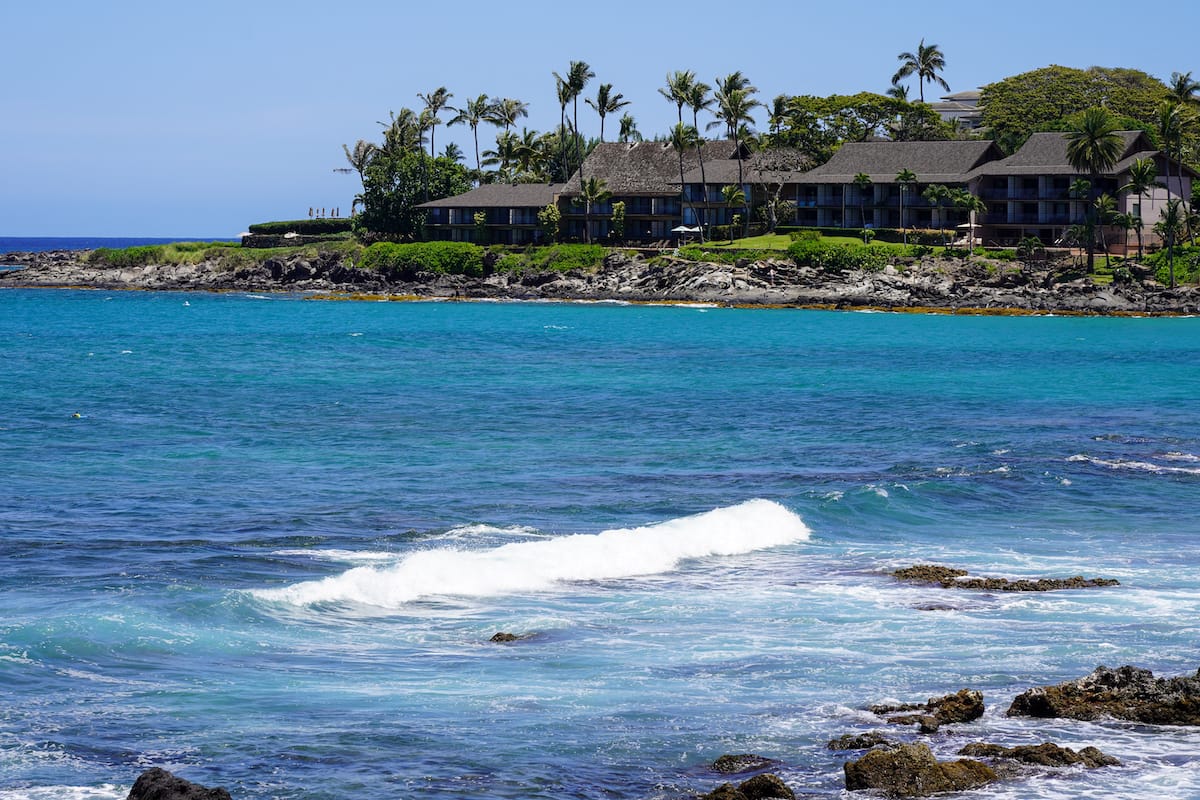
[(647, 168), (932, 162), (502, 195), (776, 165), (1046, 154)]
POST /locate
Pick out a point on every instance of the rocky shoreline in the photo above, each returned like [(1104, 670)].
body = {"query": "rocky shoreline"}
[(948, 285)]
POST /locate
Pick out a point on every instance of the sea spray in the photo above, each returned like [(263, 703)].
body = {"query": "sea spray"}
[(525, 567)]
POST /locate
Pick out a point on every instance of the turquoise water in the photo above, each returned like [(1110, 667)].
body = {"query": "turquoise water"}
[(269, 552)]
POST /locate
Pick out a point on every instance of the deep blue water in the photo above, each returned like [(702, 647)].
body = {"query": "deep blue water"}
[(270, 550), (39, 244)]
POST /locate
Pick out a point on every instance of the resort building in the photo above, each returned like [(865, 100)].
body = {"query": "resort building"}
[(829, 197), (1029, 193), (1026, 194), (510, 213), (961, 108)]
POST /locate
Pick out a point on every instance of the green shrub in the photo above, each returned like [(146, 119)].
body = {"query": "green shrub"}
[(304, 227), (404, 261), (837, 257), (127, 257)]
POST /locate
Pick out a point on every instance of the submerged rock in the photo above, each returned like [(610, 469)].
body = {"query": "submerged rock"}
[(1126, 693), (952, 578), (503, 637), (911, 770), (158, 784), (1046, 754)]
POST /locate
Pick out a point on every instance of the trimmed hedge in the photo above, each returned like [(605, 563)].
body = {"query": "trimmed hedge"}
[(404, 261), (556, 258), (310, 227)]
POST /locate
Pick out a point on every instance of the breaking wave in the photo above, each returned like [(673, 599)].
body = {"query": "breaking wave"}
[(533, 566)]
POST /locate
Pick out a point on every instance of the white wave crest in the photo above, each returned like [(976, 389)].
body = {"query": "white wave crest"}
[(541, 565), (1137, 466), (103, 792)]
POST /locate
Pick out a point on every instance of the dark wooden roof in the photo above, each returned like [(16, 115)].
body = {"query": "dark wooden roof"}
[(1046, 154), (502, 195), (776, 165), (644, 168), (932, 162)]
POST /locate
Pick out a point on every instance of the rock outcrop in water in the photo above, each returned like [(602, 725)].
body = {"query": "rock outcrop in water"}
[(911, 770), (760, 787), (1126, 693), (953, 578), (929, 283), (965, 705), (158, 784), (741, 763), (1046, 754)]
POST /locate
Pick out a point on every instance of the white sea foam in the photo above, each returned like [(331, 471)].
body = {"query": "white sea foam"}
[(104, 792), (344, 556), (1136, 466), (523, 567)]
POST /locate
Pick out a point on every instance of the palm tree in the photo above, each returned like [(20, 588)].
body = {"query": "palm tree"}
[(683, 138), (402, 132), (1170, 130), (504, 155), (629, 131), (734, 196), (506, 111), (734, 104), (906, 178), (473, 113), (1183, 89), (863, 181), (697, 98), (898, 91), (578, 75), (1105, 209), (359, 159), (1142, 176), (435, 101), (1170, 227), (1093, 148), (936, 194), (679, 85), (926, 63), (973, 206), (591, 191), (606, 103)]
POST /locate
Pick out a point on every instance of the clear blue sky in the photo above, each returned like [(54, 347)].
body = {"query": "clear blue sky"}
[(196, 119)]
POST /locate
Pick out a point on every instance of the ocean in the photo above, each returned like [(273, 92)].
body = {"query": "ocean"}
[(40, 244), (263, 541)]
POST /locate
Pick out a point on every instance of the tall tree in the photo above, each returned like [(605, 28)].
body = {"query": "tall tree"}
[(402, 132), (697, 99), (1170, 226), (578, 75), (905, 178), (474, 112), (1092, 149), (863, 181), (434, 101), (606, 103), (629, 131), (359, 159), (926, 63), (1142, 176), (679, 84), (735, 101), (735, 197), (972, 205), (683, 138), (562, 91), (506, 111), (592, 191), (937, 194)]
